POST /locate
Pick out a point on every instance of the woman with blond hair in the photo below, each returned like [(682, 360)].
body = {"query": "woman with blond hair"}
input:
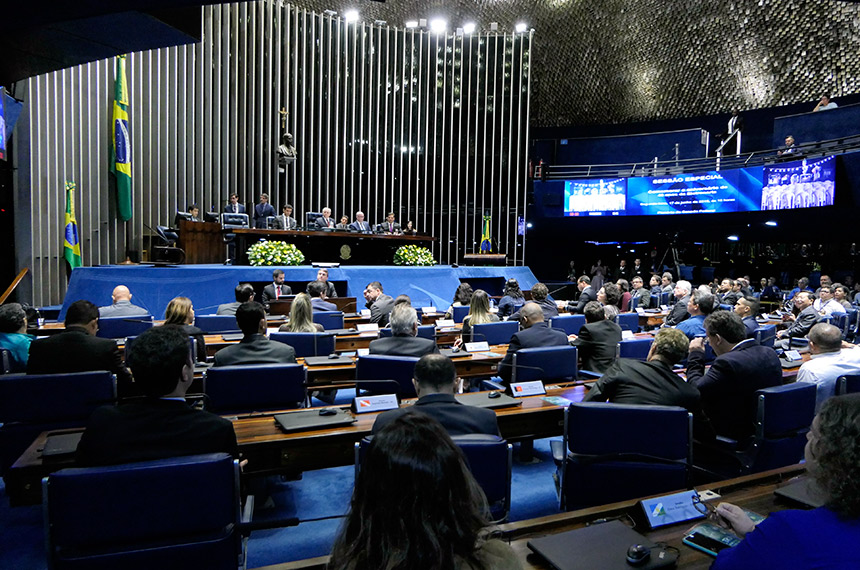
[(301, 316), (479, 313), (180, 312)]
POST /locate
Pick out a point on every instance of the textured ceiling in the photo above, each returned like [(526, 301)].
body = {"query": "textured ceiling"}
[(613, 61)]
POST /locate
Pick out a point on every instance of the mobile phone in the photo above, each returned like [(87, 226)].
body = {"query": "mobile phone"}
[(706, 544)]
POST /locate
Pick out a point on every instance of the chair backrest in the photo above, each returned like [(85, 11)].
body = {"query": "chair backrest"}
[(664, 297), (488, 457), (840, 320), (307, 344), (495, 333), (424, 331), (270, 222), (231, 220), (5, 361), (635, 348), (724, 307), (329, 319), (311, 219), (254, 387), (545, 363), (634, 302), (783, 419), (121, 327), (765, 335), (383, 367), (628, 321), (166, 235), (171, 513), (570, 324), (848, 384), (211, 324), (460, 313), (618, 452), (851, 325), (129, 341)]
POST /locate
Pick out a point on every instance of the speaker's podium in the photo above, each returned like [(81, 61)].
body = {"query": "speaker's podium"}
[(485, 259)]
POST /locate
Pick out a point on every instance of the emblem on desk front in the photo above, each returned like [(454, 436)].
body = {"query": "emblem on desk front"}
[(345, 252)]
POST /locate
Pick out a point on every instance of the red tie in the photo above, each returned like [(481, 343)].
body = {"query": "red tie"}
[(278, 294)]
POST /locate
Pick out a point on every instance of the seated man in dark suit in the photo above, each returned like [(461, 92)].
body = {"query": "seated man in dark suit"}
[(276, 289), (78, 349), (640, 292), (325, 220), (403, 342), (435, 383), (747, 309), (244, 294), (741, 367), (316, 290), (379, 303), (254, 348), (161, 424), (535, 333), (359, 225), (322, 275), (586, 295), (800, 324), (598, 339), (540, 292), (389, 226), (286, 221), (679, 311), (121, 305)]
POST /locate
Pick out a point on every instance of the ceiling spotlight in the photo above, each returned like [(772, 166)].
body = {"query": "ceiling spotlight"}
[(380, 22), (732, 238), (469, 27), (412, 24), (770, 223), (438, 26), (350, 16), (521, 28)]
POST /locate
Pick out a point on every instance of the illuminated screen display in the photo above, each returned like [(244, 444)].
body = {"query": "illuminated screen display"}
[(598, 197), (801, 184)]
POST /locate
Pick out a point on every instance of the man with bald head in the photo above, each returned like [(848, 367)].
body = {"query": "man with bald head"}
[(534, 333), (829, 361), (121, 306)]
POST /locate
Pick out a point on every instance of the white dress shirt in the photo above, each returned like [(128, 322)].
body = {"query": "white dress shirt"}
[(824, 369)]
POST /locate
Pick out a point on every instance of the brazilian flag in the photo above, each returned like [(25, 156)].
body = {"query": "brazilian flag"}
[(72, 246), (120, 144), (486, 241)]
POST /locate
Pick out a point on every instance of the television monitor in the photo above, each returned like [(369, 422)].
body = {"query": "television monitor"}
[(806, 183), (700, 193), (3, 123), (595, 197), (182, 216)]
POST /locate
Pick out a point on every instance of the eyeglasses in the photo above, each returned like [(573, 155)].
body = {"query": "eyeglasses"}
[(708, 510)]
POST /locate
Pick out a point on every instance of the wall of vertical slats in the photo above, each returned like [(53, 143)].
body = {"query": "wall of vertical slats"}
[(431, 127)]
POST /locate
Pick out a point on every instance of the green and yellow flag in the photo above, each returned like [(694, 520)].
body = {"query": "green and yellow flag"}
[(486, 241), (72, 246), (120, 143)]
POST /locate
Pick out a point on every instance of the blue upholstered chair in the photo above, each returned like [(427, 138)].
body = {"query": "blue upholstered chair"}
[(634, 303), (570, 324), (307, 344), (212, 324), (765, 335), (628, 321), (459, 313), (424, 331), (635, 348), (121, 327), (330, 320), (848, 384), (546, 363), (182, 512), (250, 388), (495, 333), (655, 302), (383, 367), (665, 297), (33, 403), (615, 452)]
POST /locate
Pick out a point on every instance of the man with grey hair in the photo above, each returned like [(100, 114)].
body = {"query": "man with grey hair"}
[(679, 310), (325, 220), (829, 361), (14, 337), (802, 323), (359, 224), (403, 340)]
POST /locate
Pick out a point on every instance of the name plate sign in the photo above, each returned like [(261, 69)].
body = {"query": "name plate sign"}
[(522, 389), (477, 346), (382, 402)]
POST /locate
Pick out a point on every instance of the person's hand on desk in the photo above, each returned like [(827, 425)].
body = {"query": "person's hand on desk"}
[(789, 317), (736, 517), (458, 342), (560, 304), (571, 337), (697, 343)]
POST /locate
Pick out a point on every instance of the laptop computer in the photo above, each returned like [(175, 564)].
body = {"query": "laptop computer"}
[(311, 419)]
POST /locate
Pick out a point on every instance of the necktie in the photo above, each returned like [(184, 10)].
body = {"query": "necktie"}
[(235, 208), (391, 228), (278, 292)]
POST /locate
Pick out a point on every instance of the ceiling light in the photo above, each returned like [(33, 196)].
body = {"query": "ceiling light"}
[(521, 28), (412, 24), (770, 223), (438, 26), (350, 16), (469, 27), (732, 238)]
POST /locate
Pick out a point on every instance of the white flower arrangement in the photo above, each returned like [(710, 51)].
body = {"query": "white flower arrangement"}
[(275, 253), (413, 255)]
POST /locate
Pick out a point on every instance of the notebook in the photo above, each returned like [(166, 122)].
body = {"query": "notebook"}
[(598, 547), (311, 419), (483, 400)]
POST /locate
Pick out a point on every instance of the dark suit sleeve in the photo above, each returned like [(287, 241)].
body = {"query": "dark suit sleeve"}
[(583, 300), (266, 296), (717, 376), (505, 370), (604, 388)]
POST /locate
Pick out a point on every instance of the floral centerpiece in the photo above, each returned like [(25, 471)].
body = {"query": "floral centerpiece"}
[(274, 253), (413, 255)]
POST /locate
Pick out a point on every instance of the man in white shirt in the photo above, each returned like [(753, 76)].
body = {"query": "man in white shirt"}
[(826, 304), (829, 361), (825, 104)]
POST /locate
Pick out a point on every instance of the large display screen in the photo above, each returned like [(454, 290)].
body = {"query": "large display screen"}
[(799, 184)]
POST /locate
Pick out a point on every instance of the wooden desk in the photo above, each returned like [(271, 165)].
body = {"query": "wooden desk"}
[(202, 242), (269, 450), (753, 492)]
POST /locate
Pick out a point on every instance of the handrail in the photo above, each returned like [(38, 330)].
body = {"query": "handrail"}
[(14, 284)]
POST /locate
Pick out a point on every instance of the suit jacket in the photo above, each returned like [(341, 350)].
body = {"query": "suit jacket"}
[(261, 212), (228, 209), (341, 226), (587, 294), (269, 293), (751, 325), (319, 305), (456, 418), (678, 313), (360, 226), (256, 349), (728, 388), (385, 227), (597, 344), (77, 351), (381, 309), (151, 428), (546, 306), (403, 346), (122, 309), (536, 335), (804, 321), (644, 296), (330, 291), (321, 222), (285, 222), (228, 308), (730, 298)]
